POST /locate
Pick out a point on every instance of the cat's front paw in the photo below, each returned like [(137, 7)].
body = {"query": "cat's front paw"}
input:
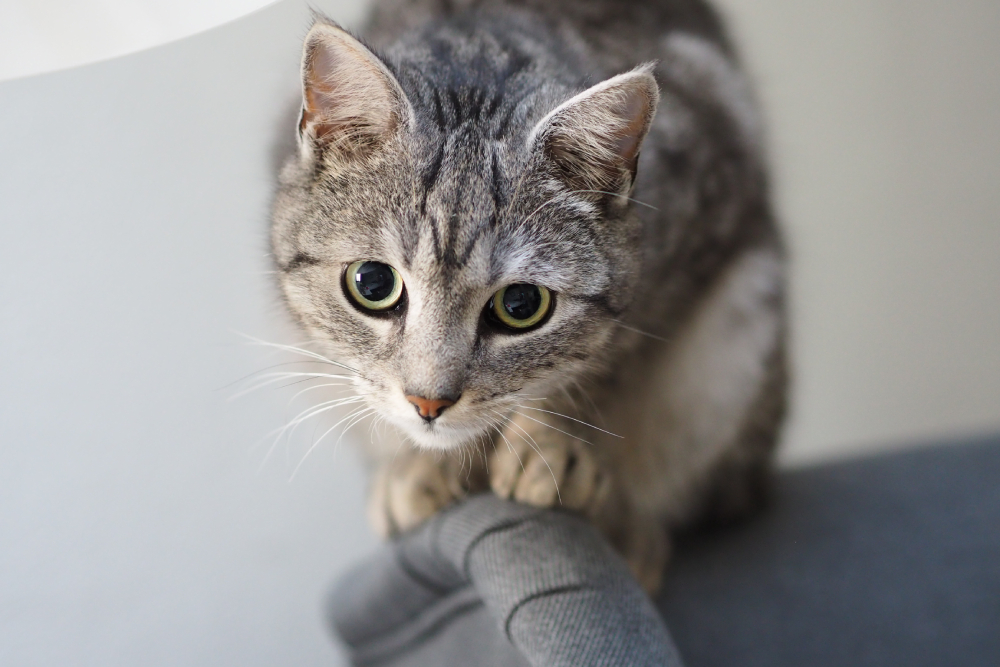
[(410, 489), (540, 466)]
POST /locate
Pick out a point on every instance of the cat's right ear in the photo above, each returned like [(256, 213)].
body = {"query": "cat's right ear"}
[(351, 102)]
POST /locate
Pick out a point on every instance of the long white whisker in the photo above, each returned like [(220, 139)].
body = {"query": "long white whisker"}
[(617, 194), (586, 395), (364, 414), (641, 332), (318, 386), (301, 417), (486, 458), (554, 428), (272, 378), (250, 375), (496, 427), (323, 407), (551, 200), (559, 414), (538, 450), (286, 426), (315, 444), (297, 350)]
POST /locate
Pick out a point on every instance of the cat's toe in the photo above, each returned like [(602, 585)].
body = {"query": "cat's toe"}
[(548, 473), (409, 491)]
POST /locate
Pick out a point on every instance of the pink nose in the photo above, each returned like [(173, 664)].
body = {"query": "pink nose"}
[(429, 408)]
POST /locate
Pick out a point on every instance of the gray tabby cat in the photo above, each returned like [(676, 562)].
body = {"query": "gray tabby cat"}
[(533, 303)]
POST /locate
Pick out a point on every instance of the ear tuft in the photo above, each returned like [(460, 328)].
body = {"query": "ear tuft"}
[(351, 102), (594, 137)]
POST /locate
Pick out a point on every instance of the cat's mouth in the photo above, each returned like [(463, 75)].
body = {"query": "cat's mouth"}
[(451, 427), (443, 436)]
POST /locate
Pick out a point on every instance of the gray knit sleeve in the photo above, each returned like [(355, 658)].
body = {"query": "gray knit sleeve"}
[(494, 583)]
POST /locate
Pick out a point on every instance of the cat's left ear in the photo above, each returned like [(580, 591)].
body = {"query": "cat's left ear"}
[(593, 139), (351, 102)]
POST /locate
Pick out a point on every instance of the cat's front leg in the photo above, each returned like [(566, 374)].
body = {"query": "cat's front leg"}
[(539, 464), (412, 486)]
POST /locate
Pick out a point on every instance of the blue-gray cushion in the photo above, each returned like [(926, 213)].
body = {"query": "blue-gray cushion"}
[(892, 560)]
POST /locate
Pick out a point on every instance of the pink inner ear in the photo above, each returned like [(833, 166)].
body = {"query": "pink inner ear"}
[(327, 101), (635, 108), (596, 139), (348, 99), (317, 90)]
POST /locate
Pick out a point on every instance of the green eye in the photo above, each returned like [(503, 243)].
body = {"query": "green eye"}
[(373, 285), (521, 306)]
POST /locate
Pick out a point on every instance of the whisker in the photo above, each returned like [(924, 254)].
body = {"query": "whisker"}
[(559, 414), (318, 386), (273, 378), (496, 427), (250, 375), (551, 200), (527, 398), (554, 428), (640, 331), (461, 463), (538, 450), (323, 407), (306, 414), (618, 194), (280, 386), (297, 350), (315, 444), (570, 398), (587, 397), (361, 417), (486, 458)]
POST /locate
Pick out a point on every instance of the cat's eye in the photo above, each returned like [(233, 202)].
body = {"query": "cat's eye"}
[(373, 285), (521, 306)]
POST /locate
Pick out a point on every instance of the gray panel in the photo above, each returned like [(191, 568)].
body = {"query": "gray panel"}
[(135, 527)]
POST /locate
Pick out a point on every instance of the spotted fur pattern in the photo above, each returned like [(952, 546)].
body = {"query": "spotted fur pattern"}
[(475, 144)]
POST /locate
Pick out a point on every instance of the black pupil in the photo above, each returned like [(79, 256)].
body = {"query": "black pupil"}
[(374, 281), (522, 301)]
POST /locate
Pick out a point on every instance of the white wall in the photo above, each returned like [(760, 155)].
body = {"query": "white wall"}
[(139, 524), (135, 526), (886, 146), (38, 37)]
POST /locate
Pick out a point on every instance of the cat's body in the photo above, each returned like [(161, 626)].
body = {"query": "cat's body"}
[(472, 155)]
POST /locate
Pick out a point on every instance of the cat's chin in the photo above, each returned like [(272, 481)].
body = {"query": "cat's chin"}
[(441, 437)]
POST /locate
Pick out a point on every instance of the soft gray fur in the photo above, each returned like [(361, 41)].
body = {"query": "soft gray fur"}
[(654, 393)]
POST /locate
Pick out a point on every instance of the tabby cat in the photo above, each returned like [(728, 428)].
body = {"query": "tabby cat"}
[(539, 234)]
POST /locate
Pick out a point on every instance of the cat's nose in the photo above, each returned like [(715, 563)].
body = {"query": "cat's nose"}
[(430, 408)]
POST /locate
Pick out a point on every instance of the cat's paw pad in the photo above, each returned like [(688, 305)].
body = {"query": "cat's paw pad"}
[(546, 471), (409, 490)]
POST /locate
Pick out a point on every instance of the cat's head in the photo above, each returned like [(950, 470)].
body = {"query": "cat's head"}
[(456, 230)]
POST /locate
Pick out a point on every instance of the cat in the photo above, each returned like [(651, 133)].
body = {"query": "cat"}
[(538, 233)]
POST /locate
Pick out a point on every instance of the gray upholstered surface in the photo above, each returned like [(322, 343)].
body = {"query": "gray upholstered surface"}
[(491, 582), (892, 560)]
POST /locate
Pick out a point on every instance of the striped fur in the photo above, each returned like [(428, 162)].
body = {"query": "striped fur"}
[(484, 143)]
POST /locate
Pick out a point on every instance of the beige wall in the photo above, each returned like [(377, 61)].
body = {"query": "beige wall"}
[(885, 131)]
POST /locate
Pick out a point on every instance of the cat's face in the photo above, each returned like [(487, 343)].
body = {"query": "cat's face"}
[(460, 272)]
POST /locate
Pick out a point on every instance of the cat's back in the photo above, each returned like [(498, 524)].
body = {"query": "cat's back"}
[(615, 34)]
